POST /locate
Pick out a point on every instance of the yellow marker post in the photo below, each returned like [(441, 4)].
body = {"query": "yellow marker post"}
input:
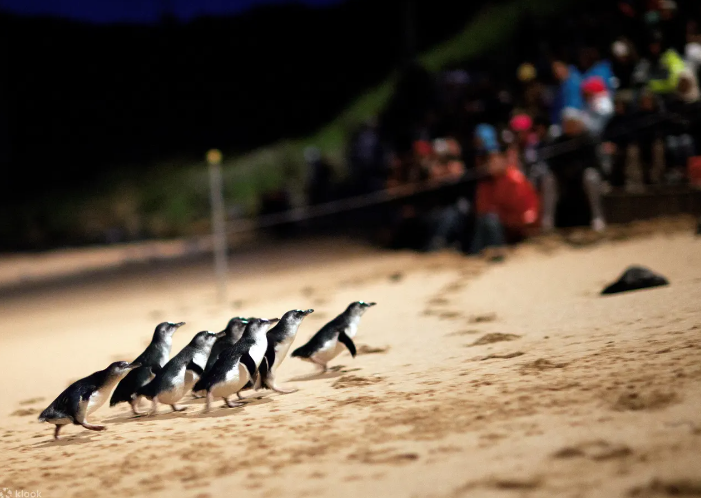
[(214, 158)]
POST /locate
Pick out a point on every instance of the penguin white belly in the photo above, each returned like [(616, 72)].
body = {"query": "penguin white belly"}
[(190, 379), (353, 328), (328, 351), (173, 395), (257, 351), (177, 389), (164, 351), (281, 353), (234, 381), (97, 399)]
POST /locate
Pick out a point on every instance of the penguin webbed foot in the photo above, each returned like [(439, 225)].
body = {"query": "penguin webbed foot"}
[(56, 431), (283, 390), (233, 404), (177, 408), (135, 408), (93, 427)]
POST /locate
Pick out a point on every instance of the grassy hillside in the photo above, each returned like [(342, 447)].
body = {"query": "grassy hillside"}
[(172, 199), (480, 34)]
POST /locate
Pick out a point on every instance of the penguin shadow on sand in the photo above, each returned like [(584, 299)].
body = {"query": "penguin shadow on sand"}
[(332, 373), (221, 410), (68, 440), (125, 418)]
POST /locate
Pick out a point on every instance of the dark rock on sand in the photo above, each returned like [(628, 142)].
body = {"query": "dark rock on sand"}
[(634, 278)]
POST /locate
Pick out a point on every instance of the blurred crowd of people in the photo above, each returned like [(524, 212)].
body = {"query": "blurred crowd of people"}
[(542, 137)]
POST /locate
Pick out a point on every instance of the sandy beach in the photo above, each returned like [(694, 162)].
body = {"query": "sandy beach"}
[(472, 379)]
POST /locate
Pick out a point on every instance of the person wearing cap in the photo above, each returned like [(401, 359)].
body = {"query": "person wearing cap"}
[(530, 139), (597, 68), (624, 61), (599, 105), (574, 161)]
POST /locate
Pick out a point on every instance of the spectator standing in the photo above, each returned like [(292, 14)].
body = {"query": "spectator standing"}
[(569, 94), (598, 105), (617, 139), (575, 164), (665, 67)]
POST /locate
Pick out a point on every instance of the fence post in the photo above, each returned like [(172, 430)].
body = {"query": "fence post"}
[(214, 158)]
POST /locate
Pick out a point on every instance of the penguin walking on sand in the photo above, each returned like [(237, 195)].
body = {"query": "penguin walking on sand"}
[(83, 397), (227, 337), (280, 338), (154, 357), (333, 337), (179, 375), (237, 365)]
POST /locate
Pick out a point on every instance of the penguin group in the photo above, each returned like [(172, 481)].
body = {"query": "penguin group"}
[(245, 355)]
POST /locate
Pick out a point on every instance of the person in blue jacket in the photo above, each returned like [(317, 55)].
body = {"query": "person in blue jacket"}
[(569, 94)]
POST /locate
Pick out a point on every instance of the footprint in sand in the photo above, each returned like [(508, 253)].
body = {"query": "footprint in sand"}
[(355, 381), (541, 364), (494, 337), (663, 487), (652, 400), (483, 318), (360, 401), (504, 356), (365, 349), (25, 412), (385, 456), (594, 450), (463, 332), (438, 301), (31, 401), (514, 483)]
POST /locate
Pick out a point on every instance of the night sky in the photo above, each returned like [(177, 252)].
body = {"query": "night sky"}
[(140, 11)]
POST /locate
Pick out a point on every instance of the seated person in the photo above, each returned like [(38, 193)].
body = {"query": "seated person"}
[(506, 205), (443, 218)]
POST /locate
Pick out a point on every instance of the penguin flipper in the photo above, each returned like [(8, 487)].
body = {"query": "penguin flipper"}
[(128, 385), (250, 366), (194, 367), (265, 366), (347, 342), (263, 372)]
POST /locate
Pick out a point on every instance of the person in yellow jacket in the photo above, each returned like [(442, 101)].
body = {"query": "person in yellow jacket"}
[(667, 66)]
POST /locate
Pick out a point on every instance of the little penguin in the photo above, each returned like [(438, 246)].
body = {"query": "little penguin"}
[(178, 375), (154, 357), (280, 338), (227, 337), (237, 365), (84, 396), (329, 342)]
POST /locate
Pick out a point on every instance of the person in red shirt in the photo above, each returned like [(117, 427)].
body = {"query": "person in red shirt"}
[(506, 205)]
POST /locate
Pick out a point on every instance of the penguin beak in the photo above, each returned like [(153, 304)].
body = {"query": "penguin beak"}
[(132, 366), (307, 312), (220, 335), (178, 325), (370, 304)]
